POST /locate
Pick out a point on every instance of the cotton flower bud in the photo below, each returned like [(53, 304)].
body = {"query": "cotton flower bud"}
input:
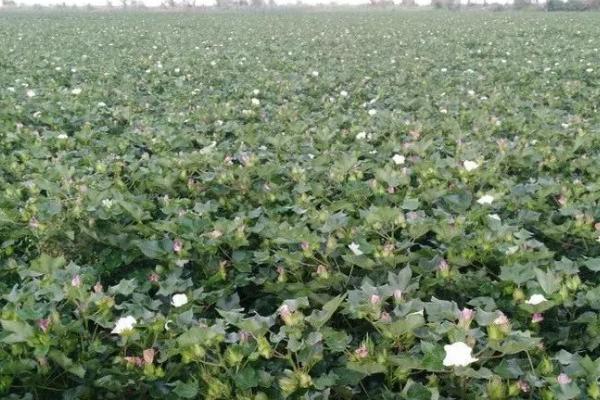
[(260, 396), (304, 379), (287, 385), (545, 366), (218, 389), (563, 292), (593, 391), (388, 250), (264, 347), (233, 356), (573, 283), (518, 295), (496, 389)]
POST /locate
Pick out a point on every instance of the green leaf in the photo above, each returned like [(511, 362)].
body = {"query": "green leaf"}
[(439, 310), (125, 287), (517, 273), (509, 369), (319, 318), (593, 264), (401, 279), (19, 331), (246, 378), (45, 264), (516, 342), (433, 356), (366, 367), (549, 281), (416, 391), (410, 204), (186, 390), (66, 363)]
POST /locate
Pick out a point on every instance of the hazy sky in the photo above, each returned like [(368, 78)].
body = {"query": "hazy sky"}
[(154, 3)]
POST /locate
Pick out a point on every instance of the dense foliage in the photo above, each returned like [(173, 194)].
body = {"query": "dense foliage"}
[(339, 205)]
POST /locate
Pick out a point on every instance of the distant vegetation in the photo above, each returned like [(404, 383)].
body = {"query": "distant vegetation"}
[(455, 5)]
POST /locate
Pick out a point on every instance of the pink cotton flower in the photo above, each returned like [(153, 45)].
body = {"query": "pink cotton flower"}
[(362, 352), (44, 324), (375, 299), (523, 386), (177, 246), (153, 277), (563, 379), (385, 317), (397, 294), (76, 281), (98, 288), (443, 266), (465, 317), (537, 317)]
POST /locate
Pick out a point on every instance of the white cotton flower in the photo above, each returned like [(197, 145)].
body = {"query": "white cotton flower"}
[(76, 91), (107, 203), (343, 93), (372, 112), (62, 136), (101, 104), (256, 92), (179, 300), (458, 355), (485, 199), (443, 111), (124, 324), (355, 248), (219, 122), (470, 165), (169, 321), (444, 70), (315, 73), (11, 89), (255, 101), (589, 70), (361, 135), (398, 159), (536, 299), (495, 217), (30, 93)]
